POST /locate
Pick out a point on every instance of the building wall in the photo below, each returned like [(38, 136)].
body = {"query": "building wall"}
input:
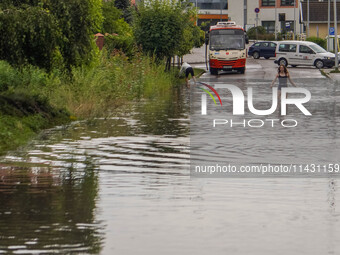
[(268, 14), (323, 29), (235, 13)]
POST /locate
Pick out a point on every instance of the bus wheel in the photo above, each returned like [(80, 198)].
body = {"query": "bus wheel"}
[(213, 71), (242, 70)]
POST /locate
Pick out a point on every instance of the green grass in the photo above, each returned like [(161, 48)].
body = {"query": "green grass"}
[(335, 71), (324, 73), (198, 72), (22, 116), (31, 99)]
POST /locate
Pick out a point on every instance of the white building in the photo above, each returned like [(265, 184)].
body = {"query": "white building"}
[(243, 13)]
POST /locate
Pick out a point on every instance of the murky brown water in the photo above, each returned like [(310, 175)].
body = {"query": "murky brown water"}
[(122, 186)]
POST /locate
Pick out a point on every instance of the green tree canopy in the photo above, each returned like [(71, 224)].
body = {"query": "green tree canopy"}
[(43, 32), (125, 7), (166, 28)]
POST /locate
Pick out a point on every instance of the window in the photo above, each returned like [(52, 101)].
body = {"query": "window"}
[(211, 4), (304, 49), (287, 48), (273, 45), (317, 48), (269, 26), (268, 2), (287, 2), (265, 44), (256, 44)]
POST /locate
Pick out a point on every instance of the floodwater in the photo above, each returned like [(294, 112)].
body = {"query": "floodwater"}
[(122, 185)]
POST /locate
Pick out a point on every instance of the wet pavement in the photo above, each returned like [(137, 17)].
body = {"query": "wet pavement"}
[(122, 185)]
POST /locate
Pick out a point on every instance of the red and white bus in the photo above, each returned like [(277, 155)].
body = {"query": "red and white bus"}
[(227, 49)]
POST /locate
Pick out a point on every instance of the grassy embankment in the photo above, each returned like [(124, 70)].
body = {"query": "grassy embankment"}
[(32, 100)]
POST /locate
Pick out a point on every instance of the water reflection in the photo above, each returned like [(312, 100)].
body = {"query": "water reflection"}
[(47, 210)]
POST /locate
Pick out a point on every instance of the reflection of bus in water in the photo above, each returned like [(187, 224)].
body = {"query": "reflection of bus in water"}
[(227, 49)]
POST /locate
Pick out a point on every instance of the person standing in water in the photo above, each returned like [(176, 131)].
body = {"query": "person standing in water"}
[(188, 70), (283, 76)]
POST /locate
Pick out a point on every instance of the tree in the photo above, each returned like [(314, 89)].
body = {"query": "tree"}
[(113, 21), (125, 7), (42, 32), (166, 28)]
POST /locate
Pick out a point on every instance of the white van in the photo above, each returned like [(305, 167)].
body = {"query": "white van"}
[(296, 53)]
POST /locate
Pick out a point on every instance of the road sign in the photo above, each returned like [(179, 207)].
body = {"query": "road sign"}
[(257, 10), (331, 31), (287, 24)]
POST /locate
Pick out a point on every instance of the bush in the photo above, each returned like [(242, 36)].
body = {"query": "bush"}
[(267, 37), (91, 91), (123, 43), (42, 33), (252, 32), (317, 40), (8, 76)]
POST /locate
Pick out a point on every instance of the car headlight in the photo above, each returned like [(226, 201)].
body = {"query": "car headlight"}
[(326, 57)]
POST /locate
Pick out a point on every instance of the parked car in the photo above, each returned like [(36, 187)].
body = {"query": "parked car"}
[(262, 49), (304, 53)]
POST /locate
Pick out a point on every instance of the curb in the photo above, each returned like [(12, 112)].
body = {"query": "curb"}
[(325, 74)]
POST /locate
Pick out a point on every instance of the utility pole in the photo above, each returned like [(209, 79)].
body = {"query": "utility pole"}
[(275, 21), (329, 23), (336, 38), (307, 18), (221, 10), (294, 18), (245, 18), (257, 18)]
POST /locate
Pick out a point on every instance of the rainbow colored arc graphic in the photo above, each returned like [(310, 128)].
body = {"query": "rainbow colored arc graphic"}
[(208, 92)]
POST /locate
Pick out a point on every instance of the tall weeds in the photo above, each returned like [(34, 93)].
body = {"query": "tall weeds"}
[(92, 91)]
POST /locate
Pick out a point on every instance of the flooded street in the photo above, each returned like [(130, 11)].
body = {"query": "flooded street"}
[(122, 185)]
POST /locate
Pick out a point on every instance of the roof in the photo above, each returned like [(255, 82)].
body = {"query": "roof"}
[(318, 12), (297, 42), (226, 25)]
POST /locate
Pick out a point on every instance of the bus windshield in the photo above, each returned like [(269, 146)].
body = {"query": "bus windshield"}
[(227, 39)]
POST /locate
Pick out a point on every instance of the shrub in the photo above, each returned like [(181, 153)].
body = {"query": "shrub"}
[(123, 43), (317, 40), (252, 32), (8, 76), (267, 37), (42, 33)]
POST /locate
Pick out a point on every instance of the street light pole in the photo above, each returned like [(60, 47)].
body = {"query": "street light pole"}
[(307, 18), (336, 38), (221, 10), (329, 23), (275, 21), (294, 18)]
